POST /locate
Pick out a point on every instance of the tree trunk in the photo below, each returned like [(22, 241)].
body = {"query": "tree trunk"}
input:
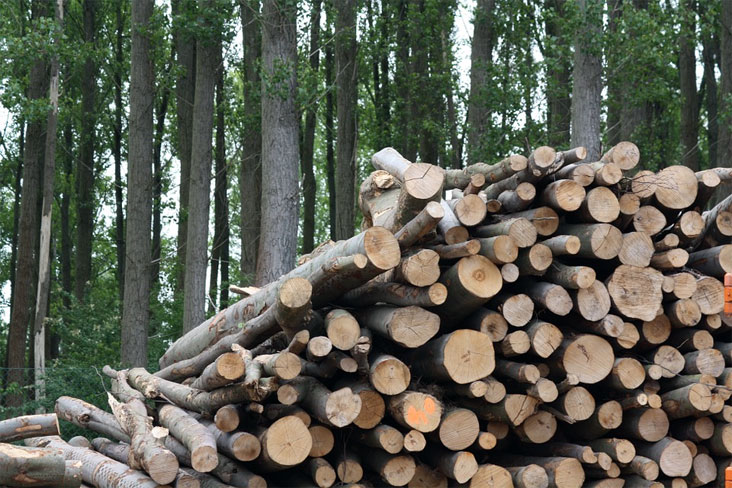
[(185, 87), (119, 221), (346, 83), (250, 177), (558, 77), (208, 49), (308, 147), (66, 243), (44, 258), (480, 75), (85, 170), (329, 135), (280, 151), (16, 211), (220, 251), (25, 269), (724, 140), (689, 99), (710, 51), (136, 308), (157, 226), (587, 77)]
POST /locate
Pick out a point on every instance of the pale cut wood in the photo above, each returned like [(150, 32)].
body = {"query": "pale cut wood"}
[(395, 470), (490, 476), (643, 467), (703, 471), (470, 283), (427, 477), (627, 374), (322, 440), (496, 390), (573, 277), (544, 219), (593, 302), (416, 410), (538, 428), (599, 205), (643, 184), (422, 224), (515, 344), (669, 260), (695, 430), (474, 389), (606, 174), (564, 245), (499, 249), (241, 446), (383, 437), (715, 261), (534, 260), (342, 329), (477, 182), (676, 187), (685, 285), (576, 403), (563, 195), (407, 326), (389, 375), (226, 369), (456, 251), (286, 442), (414, 441), (550, 296), (636, 292), (629, 205), (544, 338), (460, 466), (321, 472), (470, 210), (720, 443), (708, 295), (669, 359), (562, 472), (460, 178), (516, 309), (706, 361), (196, 437), (572, 357), (459, 428), (629, 337), (646, 424), (620, 450), (335, 408), (509, 272), (461, 356), (657, 330), (689, 226), (597, 241), (521, 230), (419, 269), (624, 154), (450, 228), (683, 313), (512, 409), (582, 174), (637, 249), (523, 373), (669, 241), (318, 348), (687, 401), (606, 417), (518, 199), (649, 219), (488, 322), (373, 407), (672, 456), (610, 326), (348, 466)]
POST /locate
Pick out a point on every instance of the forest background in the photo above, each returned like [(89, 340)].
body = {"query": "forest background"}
[(152, 153)]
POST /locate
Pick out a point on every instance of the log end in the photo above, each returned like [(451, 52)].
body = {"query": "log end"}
[(468, 356), (424, 181), (204, 459), (342, 407), (382, 248), (246, 447), (590, 357)]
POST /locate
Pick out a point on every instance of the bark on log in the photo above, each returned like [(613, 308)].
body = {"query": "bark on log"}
[(499, 249), (460, 178), (196, 437), (450, 228), (421, 225), (416, 410), (470, 283), (672, 456), (687, 401), (521, 230), (597, 241), (518, 199), (563, 195), (563, 245), (407, 326), (550, 296), (26, 426), (226, 369)]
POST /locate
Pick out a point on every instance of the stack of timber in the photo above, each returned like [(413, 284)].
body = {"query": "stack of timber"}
[(542, 321)]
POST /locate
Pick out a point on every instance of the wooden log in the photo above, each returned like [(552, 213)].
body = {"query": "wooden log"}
[(599, 205), (703, 471), (583, 453), (335, 408), (687, 401), (384, 437), (460, 178), (458, 430), (496, 390), (577, 404), (196, 437), (477, 182), (563, 195), (562, 472), (414, 441), (521, 230), (676, 187), (685, 285), (226, 369), (485, 441), (582, 174), (672, 456), (544, 338), (90, 417), (499, 429), (637, 249), (627, 374), (509, 273), (669, 241), (656, 331), (636, 292), (534, 260), (146, 447), (321, 472), (609, 326), (605, 418), (629, 337), (377, 244), (418, 269), (715, 261), (18, 428), (624, 154), (426, 477), (348, 466), (538, 428), (572, 357), (544, 390), (669, 359), (683, 313), (99, 470), (197, 400), (373, 406), (518, 199), (544, 219), (689, 226), (460, 466), (606, 174), (286, 442), (649, 219), (515, 344), (720, 230), (323, 440), (450, 228), (669, 260), (620, 450), (629, 205), (389, 375), (643, 467), (573, 277), (708, 295), (516, 309), (499, 249), (512, 409), (720, 444), (563, 245), (695, 430), (470, 210), (456, 251), (550, 296), (593, 302), (706, 361), (416, 410), (32, 466), (461, 356), (646, 424), (489, 476), (407, 326), (597, 241), (470, 283), (394, 294), (241, 446), (421, 225), (488, 322), (342, 328)]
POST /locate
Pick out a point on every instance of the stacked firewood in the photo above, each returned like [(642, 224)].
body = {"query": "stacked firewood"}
[(542, 321)]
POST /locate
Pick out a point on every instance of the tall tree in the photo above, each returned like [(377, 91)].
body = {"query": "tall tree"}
[(689, 98), (185, 47), (346, 79), (636, 105), (724, 151), (136, 306), (85, 168), (710, 55), (558, 74), (280, 151), (26, 266), (587, 77), (119, 220), (308, 145), (480, 67), (44, 254), (208, 47), (330, 132), (66, 241), (250, 178), (613, 56)]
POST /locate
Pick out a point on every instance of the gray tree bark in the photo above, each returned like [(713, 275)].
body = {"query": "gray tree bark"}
[(689, 99), (199, 197), (587, 76), (724, 151), (558, 79), (710, 51), (136, 307), (119, 219), (280, 145), (480, 63), (346, 83)]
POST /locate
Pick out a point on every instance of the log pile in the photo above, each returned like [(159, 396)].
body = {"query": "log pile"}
[(542, 321)]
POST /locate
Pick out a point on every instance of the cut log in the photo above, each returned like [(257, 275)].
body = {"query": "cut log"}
[(534, 260), (544, 219), (564, 245), (470, 283), (703, 471), (460, 178), (470, 210), (415, 410), (450, 228), (477, 182), (715, 261), (241, 446), (544, 390), (687, 401), (496, 390), (515, 344), (610, 326), (544, 337), (285, 443), (27, 426), (720, 443), (636, 292), (629, 337), (629, 205), (389, 375), (422, 224), (460, 466), (676, 187), (456, 251), (500, 249), (418, 269), (323, 441), (708, 295), (649, 219), (426, 477), (592, 302), (550, 296), (606, 174), (490, 476), (669, 260), (513, 409), (573, 277), (538, 428), (669, 359), (197, 438), (588, 356), (321, 472), (462, 356), (414, 441), (383, 437), (335, 408), (577, 404), (599, 205), (706, 361), (509, 273), (373, 406), (606, 417), (620, 450), (226, 369), (342, 329), (646, 424), (627, 374), (597, 241), (516, 309), (695, 430), (582, 174), (563, 472), (683, 313), (669, 241), (88, 416), (672, 456), (563, 195), (521, 230), (348, 467), (488, 322), (685, 285), (689, 226), (637, 249), (624, 154), (518, 199), (407, 326), (459, 428)]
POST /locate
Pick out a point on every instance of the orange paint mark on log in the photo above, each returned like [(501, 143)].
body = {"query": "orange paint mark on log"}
[(429, 405), (728, 295), (416, 417)]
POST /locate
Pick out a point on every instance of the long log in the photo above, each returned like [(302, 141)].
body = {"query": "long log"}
[(26, 426), (199, 440)]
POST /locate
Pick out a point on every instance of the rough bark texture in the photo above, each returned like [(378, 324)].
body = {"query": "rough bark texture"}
[(280, 152), (135, 310), (480, 63)]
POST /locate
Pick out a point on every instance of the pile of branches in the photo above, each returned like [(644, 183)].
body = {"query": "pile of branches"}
[(542, 321)]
